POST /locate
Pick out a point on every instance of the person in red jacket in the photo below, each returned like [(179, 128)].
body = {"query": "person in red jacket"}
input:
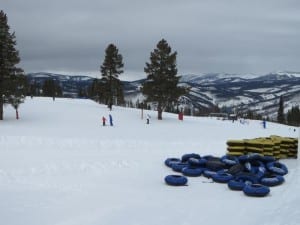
[(103, 120)]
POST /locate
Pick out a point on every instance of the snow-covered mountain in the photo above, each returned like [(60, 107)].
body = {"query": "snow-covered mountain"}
[(242, 92), (71, 85)]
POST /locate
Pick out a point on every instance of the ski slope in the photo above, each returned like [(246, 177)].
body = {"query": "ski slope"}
[(60, 166)]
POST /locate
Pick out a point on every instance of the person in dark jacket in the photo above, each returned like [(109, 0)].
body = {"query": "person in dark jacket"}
[(110, 120)]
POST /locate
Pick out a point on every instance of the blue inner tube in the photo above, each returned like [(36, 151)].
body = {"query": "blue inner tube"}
[(244, 176), (252, 166), (267, 159), (229, 160), (176, 180), (272, 180), (261, 171), (256, 190), (197, 162), (215, 165), (170, 161), (222, 177), (192, 172), (236, 185), (277, 167), (236, 169), (186, 157), (254, 157), (243, 158), (179, 166), (208, 173)]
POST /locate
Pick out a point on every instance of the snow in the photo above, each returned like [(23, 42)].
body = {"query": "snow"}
[(236, 101), (60, 166), (264, 90)]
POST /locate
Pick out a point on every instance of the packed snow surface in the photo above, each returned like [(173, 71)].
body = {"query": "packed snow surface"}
[(60, 166)]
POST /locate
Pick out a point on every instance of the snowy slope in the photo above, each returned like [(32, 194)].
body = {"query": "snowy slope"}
[(60, 166)]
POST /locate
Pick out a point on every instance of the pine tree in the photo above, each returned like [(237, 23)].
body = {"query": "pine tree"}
[(51, 89), (16, 92), (161, 85), (110, 70), (280, 115), (9, 58), (293, 116)]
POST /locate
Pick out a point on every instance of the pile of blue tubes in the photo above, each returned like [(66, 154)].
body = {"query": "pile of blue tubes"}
[(253, 174)]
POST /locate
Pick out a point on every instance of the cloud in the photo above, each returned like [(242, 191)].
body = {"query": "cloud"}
[(238, 36)]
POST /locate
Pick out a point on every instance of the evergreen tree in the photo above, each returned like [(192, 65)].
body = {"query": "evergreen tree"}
[(96, 90), (9, 58), (293, 116), (51, 89), (161, 85), (110, 70), (17, 90), (280, 115)]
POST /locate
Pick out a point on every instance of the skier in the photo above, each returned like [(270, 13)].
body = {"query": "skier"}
[(264, 123), (148, 118), (110, 120), (103, 120)]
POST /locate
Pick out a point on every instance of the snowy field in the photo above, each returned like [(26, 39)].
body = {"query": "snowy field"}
[(60, 166)]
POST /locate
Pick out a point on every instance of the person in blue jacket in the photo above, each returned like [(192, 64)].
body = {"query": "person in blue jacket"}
[(264, 123), (110, 120)]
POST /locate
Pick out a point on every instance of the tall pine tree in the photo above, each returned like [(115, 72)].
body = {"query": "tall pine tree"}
[(51, 89), (293, 116), (9, 58), (161, 85), (110, 70), (18, 87), (280, 115)]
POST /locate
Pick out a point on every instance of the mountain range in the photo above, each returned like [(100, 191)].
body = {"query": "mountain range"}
[(241, 92)]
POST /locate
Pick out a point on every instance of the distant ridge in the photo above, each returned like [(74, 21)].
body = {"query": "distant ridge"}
[(243, 92)]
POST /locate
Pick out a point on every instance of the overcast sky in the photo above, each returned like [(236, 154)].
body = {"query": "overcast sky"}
[(233, 36)]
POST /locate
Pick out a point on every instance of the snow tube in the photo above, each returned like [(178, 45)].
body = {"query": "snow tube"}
[(243, 158), (186, 157), (211, 158), (267, 159), (176, 180), (236, 185), (236, 169), (222, 177), (252, 166), (271, 181), (244, 176), (256, 190), (208, 173), (277, 168), (170, 161), (192, 172), (179, 166), (261, 172), (229, 160), (215, 165), (197, 162)]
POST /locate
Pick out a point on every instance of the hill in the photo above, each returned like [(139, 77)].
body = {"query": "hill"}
[(60, 166)]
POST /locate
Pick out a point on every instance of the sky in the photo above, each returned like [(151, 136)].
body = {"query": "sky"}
[(233, 36)]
